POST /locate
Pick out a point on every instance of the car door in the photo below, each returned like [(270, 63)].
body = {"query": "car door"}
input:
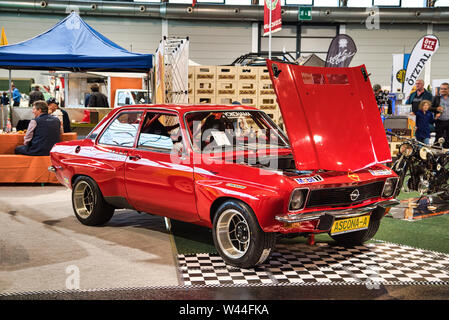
[(110, 154), (158, 178)]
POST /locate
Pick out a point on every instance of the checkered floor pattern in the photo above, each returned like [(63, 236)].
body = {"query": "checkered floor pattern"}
[(373, 263)]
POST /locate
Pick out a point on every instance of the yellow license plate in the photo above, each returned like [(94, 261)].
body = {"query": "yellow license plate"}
[(350, 224)]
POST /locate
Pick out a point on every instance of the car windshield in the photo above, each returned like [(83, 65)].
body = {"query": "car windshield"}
[(218, 131)]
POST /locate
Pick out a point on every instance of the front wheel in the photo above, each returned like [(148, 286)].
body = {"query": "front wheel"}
[(359, 237), (238, 237)]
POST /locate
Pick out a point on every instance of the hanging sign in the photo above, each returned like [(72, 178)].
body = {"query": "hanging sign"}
[(272, 7)]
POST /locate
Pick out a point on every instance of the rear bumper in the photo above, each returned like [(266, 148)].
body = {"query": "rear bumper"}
[(346, 213)]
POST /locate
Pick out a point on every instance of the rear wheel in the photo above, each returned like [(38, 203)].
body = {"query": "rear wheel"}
[(359, 237), (88, 203), (238, 237)]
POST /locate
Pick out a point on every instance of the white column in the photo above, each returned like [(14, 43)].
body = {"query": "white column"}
[(342, 29), (164, 28), (255, 37)]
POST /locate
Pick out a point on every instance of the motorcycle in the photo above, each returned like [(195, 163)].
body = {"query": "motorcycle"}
[(425, 165)]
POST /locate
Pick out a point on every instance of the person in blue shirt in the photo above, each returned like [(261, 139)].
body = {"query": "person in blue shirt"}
[(16, 96), (424, 118)]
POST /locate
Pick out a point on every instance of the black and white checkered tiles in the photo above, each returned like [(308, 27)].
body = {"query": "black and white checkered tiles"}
[(378, 263)]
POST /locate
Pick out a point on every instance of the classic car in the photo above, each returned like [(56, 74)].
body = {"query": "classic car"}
[(230, 168)]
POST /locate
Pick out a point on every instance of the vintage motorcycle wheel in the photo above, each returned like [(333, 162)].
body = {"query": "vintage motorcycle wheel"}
[(359, 237), (238, 237), (88, 203)]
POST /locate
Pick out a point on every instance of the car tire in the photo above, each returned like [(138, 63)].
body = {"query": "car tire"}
[(359, 237), (88, 203), (238, 238)]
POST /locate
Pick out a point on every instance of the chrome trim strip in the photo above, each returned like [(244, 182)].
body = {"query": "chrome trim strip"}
[(344, 213)]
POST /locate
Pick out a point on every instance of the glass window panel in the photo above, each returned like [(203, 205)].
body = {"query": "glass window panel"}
[(391, 3), (160, 132), (207, 1), (325, 3), (442, 3), (123, 130), (181, 1), (413, 3), (238, 2), (360, 3), (318, 31), (315, 44), (279, 44), (304, 2)]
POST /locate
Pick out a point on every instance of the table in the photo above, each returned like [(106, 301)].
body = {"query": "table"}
[(9, 141)]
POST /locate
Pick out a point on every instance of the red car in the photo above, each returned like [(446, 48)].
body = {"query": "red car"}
[(230, 168)]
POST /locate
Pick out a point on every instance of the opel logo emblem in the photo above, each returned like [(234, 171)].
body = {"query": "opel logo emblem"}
[(354, 195)]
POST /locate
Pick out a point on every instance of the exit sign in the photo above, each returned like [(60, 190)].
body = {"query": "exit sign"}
[(305, 13)]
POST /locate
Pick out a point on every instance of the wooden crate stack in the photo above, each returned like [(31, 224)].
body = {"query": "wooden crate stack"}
[(191, 82), (205, 84), (226, 92), (267, 100), (249, 85)]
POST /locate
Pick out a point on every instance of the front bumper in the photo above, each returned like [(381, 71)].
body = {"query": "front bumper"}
[(345, 213)]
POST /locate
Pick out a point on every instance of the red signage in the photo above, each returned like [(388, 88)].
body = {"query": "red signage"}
[(273, 7), (429, 44)]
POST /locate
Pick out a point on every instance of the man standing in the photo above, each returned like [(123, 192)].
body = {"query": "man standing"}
[(419, 95), (35, 95), (440, 104), (42, 133), (97, 99), (16, 96)]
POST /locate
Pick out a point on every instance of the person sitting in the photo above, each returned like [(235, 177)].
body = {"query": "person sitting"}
[(42, 133), (61, 114)]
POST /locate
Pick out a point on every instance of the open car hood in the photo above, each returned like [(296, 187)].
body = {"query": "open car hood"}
[(330, 116)]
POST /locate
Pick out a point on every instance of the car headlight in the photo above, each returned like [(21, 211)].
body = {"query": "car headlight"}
[(389, 187), (406, 149), (297, 199)]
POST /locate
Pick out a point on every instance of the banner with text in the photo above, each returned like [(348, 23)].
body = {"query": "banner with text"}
[(422, 52), (272, 7), (341, 50)]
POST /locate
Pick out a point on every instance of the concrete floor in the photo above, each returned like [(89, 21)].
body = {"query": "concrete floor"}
[(44, 247)]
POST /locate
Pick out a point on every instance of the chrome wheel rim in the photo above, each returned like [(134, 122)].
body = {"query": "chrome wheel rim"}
[(233, 234), (83, 199)]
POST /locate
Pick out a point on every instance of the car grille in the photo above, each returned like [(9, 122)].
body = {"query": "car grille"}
[(342, 196)]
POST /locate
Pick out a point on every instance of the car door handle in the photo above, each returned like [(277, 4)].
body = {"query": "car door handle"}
[(135, 158)]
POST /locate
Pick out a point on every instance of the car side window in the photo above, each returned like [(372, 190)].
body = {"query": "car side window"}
[(123, 130), (160, 132)]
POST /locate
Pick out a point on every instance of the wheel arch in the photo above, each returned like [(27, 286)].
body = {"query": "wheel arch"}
[(220, 200)]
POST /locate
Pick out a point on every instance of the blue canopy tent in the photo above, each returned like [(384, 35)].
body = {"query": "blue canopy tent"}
[(71, 45), (74, 46)]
